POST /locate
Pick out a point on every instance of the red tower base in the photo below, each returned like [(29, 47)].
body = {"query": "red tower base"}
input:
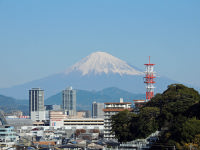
[(149, 95)]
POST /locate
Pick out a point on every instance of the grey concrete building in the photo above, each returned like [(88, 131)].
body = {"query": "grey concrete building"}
[(69, 101), (36, 104), (97, 110)]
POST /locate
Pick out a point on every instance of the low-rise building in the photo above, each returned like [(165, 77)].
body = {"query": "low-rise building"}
[(7, 136), (84, 123), (57, 118), (139, 103)]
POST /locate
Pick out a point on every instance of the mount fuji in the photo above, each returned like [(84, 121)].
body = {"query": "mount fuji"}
[(97, 71), (102, 63)]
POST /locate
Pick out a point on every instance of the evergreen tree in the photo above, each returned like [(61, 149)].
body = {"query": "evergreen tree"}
[(175, 111)]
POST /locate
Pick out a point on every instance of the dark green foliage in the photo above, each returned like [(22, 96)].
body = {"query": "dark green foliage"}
[(175, 101), (193, 111), (128, 126), (176, 112), (189, 129), (178, 104), (121, 125), (145, 123)]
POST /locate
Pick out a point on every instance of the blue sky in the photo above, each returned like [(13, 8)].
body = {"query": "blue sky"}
[(41, 38)]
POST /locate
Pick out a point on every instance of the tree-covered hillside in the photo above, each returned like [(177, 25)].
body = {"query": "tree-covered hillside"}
[(175, 112), (9, 104), (84, 98)]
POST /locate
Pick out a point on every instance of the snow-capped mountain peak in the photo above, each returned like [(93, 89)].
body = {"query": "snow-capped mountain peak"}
[(102, 62)]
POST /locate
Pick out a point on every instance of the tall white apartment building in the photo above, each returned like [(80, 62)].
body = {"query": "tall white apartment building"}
[(112, 109), (36, 104)]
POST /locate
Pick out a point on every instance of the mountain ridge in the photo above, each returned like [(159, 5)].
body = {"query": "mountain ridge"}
[(109, 73), (86, 98), (9, 104)]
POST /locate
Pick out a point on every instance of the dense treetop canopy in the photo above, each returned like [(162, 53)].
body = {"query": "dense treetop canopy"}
[(175, 112)]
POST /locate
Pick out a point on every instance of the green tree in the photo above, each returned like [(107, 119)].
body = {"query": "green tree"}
[(128, 126), (175, 112), (121, 125), (178, 105), (146, 122), (175, 101)]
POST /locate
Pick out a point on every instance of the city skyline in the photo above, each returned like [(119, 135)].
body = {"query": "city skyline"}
[(41, 38)]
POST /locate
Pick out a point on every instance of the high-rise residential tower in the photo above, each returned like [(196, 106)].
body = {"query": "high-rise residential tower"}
[(110, 110), (69, 101), (97, 110), (36, 104)]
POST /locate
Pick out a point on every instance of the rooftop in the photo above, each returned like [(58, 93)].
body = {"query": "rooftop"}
[(116, 109), (119, 103)]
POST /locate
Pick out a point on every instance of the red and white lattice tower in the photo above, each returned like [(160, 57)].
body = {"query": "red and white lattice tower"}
[(149, 80)]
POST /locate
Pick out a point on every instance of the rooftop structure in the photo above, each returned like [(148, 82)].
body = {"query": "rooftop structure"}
[(18, 122), (139, 103)]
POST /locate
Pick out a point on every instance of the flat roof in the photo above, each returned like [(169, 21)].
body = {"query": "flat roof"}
[(84, 119), (119, 103), (116, 110), (139, 100)]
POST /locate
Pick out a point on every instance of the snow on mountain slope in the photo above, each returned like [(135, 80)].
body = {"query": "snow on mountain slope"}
[(101, 62), (94, 72)]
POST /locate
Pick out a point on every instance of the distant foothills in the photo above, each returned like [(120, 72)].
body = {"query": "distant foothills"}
[(84, 99), (97, 71), (91, 76)]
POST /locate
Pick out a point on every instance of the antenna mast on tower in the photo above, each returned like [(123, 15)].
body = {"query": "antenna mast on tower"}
[(149, 80)]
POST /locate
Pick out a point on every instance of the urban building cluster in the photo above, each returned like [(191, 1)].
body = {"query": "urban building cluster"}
[(59, 115), (50, 125), (67, 116), (59, 122)]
